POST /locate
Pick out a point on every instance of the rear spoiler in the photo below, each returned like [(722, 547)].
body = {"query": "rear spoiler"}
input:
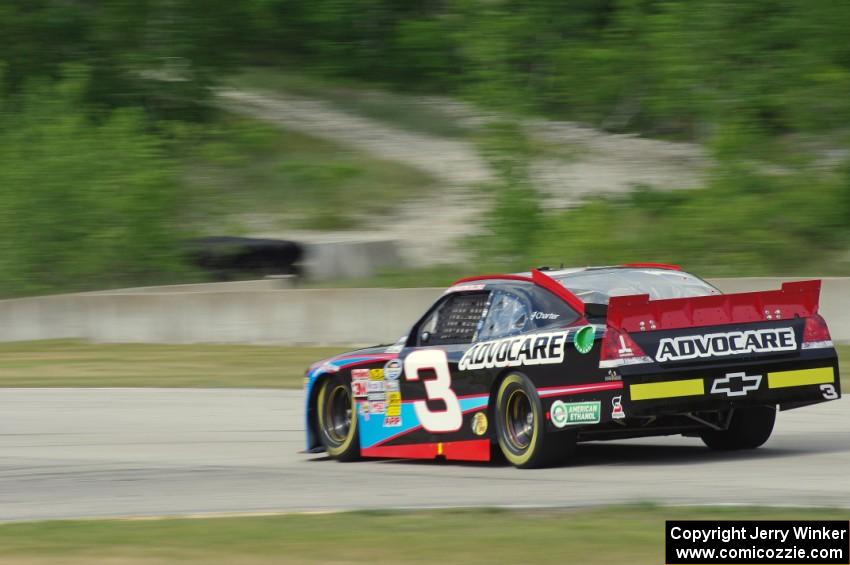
[(639, 313)]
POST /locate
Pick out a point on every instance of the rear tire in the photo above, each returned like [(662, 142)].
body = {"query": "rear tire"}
[(337, 418), (521, 428), (749, 428)]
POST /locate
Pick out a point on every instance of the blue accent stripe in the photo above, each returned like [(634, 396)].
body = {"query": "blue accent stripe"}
[(373, 432)]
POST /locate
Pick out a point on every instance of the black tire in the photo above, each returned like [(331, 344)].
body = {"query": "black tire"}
[(749, 428), (521, 427), (336, 415)]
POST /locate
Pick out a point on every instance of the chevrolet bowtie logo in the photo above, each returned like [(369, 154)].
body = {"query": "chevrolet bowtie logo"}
[(736, 384)]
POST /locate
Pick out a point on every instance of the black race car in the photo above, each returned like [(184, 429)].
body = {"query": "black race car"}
[(529, 364)]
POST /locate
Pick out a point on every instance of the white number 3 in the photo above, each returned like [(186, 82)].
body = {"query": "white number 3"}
[(828, 392), (448, 420)]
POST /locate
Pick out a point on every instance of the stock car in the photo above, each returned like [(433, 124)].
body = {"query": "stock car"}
[(529, 364)]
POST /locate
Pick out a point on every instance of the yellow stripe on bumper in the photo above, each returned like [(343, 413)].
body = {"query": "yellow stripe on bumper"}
[(667, 389), (802, 377)]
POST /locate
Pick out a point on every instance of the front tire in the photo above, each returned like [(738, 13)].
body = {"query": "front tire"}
[(337, 419), (749, 428), (521, 428)]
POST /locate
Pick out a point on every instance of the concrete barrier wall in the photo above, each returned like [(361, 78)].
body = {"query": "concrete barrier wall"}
[(289, 316)]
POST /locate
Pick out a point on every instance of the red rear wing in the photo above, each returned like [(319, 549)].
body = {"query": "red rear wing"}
[(639, 313)]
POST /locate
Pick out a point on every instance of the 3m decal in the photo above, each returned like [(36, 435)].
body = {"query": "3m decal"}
[(736, 384), (574, 413), (583, 340), (536, 349), (617, 412), (392, 370), (479, 423), (440, 388), (359, 382), (724, 344)]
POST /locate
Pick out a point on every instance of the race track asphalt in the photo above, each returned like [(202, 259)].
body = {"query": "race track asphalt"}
[(136, 452)]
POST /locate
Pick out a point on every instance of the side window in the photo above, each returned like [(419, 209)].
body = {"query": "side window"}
[(508, 315), (455, 320)]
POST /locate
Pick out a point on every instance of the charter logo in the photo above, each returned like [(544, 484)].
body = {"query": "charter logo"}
[(725, 344)]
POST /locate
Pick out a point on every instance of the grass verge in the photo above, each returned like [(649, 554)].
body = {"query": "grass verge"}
[(633, 535), (71, 363), (66, 363)]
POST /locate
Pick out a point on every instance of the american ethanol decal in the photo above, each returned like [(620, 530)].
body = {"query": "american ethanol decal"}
[(537, 349), (724, 344)]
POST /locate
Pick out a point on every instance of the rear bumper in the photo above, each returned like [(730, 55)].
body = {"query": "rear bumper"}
[(808, 378)]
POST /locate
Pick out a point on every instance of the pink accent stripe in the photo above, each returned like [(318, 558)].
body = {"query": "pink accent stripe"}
[(578, 389)]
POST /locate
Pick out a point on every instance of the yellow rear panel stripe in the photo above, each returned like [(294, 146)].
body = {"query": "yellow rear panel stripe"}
[(667, 389), (802, 377)]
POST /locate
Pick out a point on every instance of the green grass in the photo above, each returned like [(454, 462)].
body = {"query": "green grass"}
[(238, 167), (80, 364), (633, 535), (399, 110)]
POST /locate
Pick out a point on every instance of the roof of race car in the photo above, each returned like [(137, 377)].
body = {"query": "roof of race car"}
[(600, 283)]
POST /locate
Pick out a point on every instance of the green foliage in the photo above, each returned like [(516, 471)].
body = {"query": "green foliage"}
[(234, 167), (512, 223), (160, 54), (86, 202), (742, 223)]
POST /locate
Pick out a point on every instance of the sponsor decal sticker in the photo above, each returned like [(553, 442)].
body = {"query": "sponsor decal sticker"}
[(375, 386), (359, 389), (617, 412), (575, 413), (613, 376), (393, 404), (393, 370), (479, 423), (376, 374), (535, 349), (359, 382), (736, 384), (544, 316), (377, 406), (724, 344), (583, 339), (392, 422)]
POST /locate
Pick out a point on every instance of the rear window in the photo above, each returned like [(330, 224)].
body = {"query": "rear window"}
[(596, 286)]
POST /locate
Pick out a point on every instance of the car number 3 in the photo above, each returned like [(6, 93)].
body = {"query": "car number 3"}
[(439, 388), (828, 392)]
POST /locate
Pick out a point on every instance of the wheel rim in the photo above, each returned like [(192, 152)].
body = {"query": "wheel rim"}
[(519, 420), (338, 414)]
